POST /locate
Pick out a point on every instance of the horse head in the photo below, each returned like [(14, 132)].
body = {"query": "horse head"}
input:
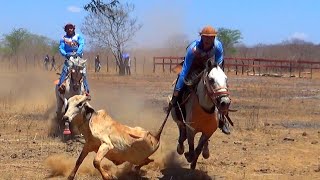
[(77, 68), (213, 88)]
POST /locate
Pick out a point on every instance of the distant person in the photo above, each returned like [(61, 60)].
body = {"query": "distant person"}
[(53, 63), (71, 44), (97, 64), (198, 52), (46, 62), (127, 63)]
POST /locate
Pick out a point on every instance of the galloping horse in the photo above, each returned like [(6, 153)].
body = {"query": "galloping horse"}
[(73, 86), (206, 102)]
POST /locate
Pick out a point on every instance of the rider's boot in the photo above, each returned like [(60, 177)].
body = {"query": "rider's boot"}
[(63, 76), (86, 85), (224, 126)]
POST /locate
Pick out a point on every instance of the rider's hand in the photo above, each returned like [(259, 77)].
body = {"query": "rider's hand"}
[(68, 56)]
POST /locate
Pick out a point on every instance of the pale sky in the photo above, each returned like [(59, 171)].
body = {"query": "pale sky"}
[(260, 21)]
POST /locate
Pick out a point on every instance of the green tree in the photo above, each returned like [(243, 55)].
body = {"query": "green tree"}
[(14, 40), (229, 38)]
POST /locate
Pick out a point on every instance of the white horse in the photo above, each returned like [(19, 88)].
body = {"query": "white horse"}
[(207, 101), (73, 85)]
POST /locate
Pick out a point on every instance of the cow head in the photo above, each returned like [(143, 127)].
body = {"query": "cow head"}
[(78, 105)]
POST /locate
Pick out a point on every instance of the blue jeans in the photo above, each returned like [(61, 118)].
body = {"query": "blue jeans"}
[(64, 75)]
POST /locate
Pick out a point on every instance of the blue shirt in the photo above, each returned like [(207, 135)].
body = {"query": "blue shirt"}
[(69, 45), (192, 50)]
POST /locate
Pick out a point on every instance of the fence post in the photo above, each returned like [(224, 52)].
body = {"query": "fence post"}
[(135, 65), (154, 65), (144, 61), (107, 63), (236, 67), (242, 69), (170, 64), (163, 65), (253, 70)]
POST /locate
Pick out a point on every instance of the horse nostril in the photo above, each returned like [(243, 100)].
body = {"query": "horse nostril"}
[(223, 104), (65, 118)]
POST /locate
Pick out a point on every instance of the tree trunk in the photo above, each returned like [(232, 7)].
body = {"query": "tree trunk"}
[(121, 70)]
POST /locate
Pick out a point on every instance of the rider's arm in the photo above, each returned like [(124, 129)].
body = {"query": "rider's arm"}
[(218, 51), (61, 48), (185, 68), (81, 44)]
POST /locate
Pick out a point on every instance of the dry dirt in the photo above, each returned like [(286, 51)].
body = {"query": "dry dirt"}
[(276, 133)]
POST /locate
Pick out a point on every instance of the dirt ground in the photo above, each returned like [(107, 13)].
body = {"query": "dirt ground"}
[(276, 133)]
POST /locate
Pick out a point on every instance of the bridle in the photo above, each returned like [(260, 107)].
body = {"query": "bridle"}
[(76, 81), (216, 94)]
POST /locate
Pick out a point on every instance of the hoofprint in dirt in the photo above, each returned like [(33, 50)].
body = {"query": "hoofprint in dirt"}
[(276, 133)]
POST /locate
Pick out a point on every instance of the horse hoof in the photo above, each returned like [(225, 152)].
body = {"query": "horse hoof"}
[(180, 149), (189, 156), (193, 165), (205, 153)]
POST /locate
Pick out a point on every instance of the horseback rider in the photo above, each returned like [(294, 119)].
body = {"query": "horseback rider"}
[(198, 52), (71, 45)]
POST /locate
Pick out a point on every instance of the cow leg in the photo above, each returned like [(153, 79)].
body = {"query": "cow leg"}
[(203, 139), (83, 154), (182, 138), (190, 155), (103, 150), (145, 162)]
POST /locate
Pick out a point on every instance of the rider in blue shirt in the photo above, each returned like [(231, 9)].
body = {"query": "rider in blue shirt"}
[(71, 44), (198, 52)]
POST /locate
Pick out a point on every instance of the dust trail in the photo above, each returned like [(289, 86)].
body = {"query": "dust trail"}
[(62, 165)]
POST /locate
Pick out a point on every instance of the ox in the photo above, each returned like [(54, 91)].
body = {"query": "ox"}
[(108, 138)]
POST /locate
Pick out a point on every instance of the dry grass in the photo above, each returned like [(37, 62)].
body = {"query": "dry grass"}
[(276, 133)]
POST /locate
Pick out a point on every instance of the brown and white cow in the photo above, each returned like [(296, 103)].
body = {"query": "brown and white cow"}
[(108, 138)]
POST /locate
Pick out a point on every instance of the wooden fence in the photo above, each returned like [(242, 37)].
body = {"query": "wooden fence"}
[(252, 66)]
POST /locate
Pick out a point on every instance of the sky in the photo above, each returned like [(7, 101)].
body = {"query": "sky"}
[(259, 21)]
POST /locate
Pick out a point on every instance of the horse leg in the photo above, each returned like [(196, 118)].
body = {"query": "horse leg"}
[(182, 138), (83, 154), (205, 150), (190, 155), (202, 141), (59, 125)]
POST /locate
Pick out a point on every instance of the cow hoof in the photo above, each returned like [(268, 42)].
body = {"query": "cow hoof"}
[(180, 149), (189, 156), (205, 153)]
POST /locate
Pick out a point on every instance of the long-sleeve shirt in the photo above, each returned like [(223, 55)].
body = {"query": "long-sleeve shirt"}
[(69, 45), (195, 53)]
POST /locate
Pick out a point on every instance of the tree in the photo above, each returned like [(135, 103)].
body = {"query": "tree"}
[(98, 6), (229, 38), (14, 40), (112, 30)]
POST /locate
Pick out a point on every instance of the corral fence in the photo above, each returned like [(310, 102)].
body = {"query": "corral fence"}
[(252, 66)]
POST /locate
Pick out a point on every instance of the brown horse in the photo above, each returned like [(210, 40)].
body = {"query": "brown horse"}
[(204, 105)]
